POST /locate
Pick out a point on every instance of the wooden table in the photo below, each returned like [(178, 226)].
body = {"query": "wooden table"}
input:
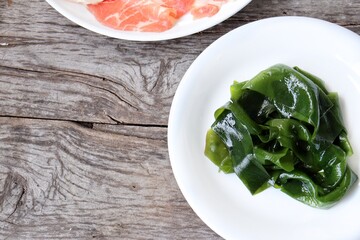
[(83, 123)]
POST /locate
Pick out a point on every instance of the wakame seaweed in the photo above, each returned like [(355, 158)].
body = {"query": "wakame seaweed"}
[(282, 128)]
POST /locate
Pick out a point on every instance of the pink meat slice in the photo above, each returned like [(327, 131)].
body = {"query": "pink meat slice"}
[(150, 15), (140, 15), (206, 8)]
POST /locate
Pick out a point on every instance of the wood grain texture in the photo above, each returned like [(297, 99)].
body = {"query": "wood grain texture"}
[(83, 123), (62, 179)]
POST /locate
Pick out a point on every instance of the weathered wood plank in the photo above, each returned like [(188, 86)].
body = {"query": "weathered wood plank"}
[(78, 97), (59, 179), (50, 68)]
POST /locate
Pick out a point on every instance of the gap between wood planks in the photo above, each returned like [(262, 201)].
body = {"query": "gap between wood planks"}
[(90, 125)]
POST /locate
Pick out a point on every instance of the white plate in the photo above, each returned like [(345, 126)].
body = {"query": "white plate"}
[(186, 26), (221, 201)]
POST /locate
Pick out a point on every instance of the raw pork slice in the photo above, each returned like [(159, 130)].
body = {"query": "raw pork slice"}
[(140, 15), (206, 8), (150, 15)]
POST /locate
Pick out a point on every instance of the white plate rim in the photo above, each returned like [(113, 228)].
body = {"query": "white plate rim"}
[(187, 80), (184, 27)]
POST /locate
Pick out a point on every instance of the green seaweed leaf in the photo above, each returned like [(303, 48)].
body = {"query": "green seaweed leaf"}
[(282, 128)]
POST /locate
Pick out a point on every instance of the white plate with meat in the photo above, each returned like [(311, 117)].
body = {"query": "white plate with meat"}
[(184, 22)]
